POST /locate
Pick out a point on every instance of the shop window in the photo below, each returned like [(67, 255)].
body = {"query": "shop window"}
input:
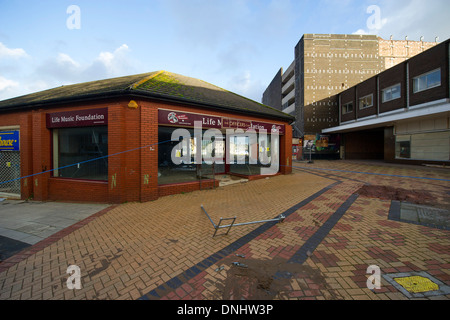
[(403, 146), (347, 108), (427, 81), (81, 153), (366, 102), (168, 171), (248, 157), (391, 93)]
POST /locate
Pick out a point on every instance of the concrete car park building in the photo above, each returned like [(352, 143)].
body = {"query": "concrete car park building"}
[(400, 115), (111, 140), (325, 65)]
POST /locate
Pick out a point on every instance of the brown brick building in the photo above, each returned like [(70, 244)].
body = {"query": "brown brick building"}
[(325, 65), (401, 114), (111, 140)]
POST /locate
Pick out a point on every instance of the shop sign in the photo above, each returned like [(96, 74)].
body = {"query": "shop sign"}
[(185, 119), (78, 118), (9, 141)]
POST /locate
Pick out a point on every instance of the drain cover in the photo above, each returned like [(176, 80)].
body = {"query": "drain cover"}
[(417, 284)]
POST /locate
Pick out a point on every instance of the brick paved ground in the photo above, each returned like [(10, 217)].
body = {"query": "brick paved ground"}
[(165, 250)]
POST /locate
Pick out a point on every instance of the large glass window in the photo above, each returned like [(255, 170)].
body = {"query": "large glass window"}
[(426, 81), (168, 171), (347, 108), (247, 157), (392, 93), (366, 102), (177, 159), (186, 168), (403, 146), (81, 153)]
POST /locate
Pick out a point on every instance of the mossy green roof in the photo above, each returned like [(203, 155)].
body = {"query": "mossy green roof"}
[(157, 85)]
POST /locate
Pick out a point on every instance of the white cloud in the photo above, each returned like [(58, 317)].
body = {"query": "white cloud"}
[(6, 52), (412, 18), (6, 84), (111, 63), (63, 69), (244, 84), (361, 32), (65, 60)]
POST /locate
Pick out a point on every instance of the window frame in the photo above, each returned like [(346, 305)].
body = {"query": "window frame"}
[(368, 106), (344, 107), (383, 91), (426, 75), (57, 153)]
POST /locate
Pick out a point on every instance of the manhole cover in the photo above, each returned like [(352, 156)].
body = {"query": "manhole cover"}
[(417, 284)]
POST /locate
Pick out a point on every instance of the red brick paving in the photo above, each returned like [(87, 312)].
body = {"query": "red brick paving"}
[(135, 248)]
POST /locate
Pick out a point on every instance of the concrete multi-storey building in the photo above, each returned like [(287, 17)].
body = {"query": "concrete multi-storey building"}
[(325, 65)]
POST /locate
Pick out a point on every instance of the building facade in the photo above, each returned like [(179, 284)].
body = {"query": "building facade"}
[(116, 140), (400, 115), (323, 66)]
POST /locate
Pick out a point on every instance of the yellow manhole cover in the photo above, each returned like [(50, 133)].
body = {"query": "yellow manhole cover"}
[(417, 284)]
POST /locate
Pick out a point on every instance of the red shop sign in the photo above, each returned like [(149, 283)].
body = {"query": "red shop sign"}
[(78, 118), (185, 119)]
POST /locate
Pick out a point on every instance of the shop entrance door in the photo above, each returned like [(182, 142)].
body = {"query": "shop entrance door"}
[(219, 168), (217, 151)]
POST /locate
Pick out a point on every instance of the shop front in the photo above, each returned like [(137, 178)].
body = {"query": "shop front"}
[(104, 142), (214, 145)]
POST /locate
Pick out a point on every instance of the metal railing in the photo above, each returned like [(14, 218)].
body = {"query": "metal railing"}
[(218, 226)]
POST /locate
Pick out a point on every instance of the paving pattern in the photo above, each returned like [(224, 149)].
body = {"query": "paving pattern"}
[(332, 233)]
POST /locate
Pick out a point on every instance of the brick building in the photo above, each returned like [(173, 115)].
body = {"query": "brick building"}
[(111, 140), (323, 66), (401, 114)]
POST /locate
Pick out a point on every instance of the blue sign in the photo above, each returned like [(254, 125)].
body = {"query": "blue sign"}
[(9, 141)]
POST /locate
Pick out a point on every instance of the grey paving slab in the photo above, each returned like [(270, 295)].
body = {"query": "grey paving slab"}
[(33, 221), (9, 247), (425, 215)]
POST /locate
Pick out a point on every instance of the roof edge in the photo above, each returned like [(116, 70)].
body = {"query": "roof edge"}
[(139, 94)]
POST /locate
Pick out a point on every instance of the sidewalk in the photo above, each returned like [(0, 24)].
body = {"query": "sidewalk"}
[(333, 231)]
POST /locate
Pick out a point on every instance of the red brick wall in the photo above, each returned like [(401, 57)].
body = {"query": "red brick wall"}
[(77, 190), (132, 148), (149, 155), (286, 151), (177, 188)]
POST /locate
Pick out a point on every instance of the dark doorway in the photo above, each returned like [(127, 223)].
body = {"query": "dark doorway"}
[(364, 145)]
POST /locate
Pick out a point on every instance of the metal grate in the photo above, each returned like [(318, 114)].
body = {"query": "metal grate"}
[(10, 172)]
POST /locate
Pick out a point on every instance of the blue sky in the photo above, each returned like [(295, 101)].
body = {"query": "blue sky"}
[(238, 45)]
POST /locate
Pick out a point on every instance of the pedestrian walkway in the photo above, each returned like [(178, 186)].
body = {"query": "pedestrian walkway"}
[(33, 221), (337, 224)]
